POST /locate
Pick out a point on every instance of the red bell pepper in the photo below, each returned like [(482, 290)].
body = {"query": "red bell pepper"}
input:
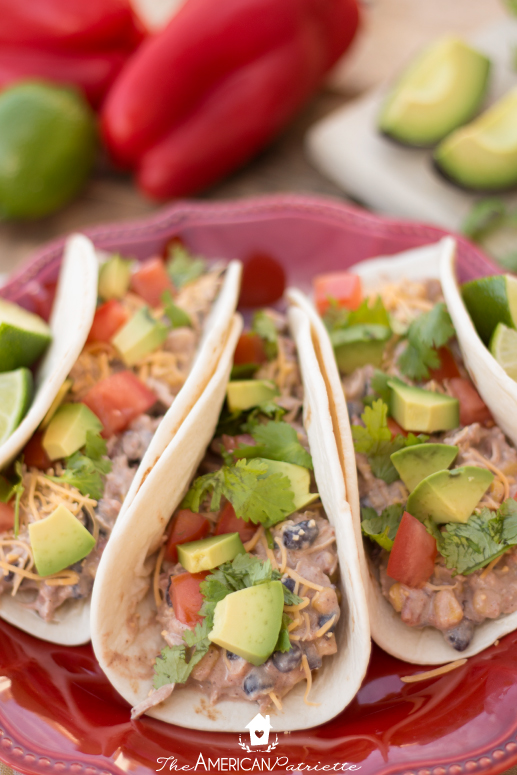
[(202, 96)]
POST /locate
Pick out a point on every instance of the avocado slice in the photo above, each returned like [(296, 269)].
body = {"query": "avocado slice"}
[(482, 156), (139, 336), (420, 461), (208, 553), (246, 393), (416, 409), (114, 278), (66, 432), (248, 622), (300, 479), (439, 91), (449, 496), (58, 541), (359, 345)]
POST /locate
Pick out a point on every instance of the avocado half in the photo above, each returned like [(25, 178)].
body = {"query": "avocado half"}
[(438, 92), (482, 156)]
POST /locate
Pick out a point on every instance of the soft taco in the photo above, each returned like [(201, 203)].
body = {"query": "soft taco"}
[(433, 477), (147, 351), (234, 584)]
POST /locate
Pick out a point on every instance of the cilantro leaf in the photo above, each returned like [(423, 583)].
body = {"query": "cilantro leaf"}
[(236, 422), (382, 528), (370, 313), (183, 267), (172, 665), (177, 316), (264, 326), (425, 335), (86, 471), (276, 441), (283, 643)]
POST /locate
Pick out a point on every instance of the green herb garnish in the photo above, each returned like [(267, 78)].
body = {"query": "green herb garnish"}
[(382, 528), (425, 335), (183, 267), (177, 316), (86, 470)]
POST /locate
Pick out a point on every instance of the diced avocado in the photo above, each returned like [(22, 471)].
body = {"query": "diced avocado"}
[(58, 541), (248, 622), (416, 409), (114, 278), (208, 553), (300, 479), (139, 336), (56, 403), (23, 336), (482, 156), (438, 92), (247, 393), (420, 461), (66, 432), (359, 346), (449, 496)]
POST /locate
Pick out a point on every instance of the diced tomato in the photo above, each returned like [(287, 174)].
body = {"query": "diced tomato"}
[(413, 554), (34, 453), (230, 523), (472, 407), (448, 368), (342, 287), (150, 280), (250, 349), (171, 243), (41, 298), (187, 526), (231, 443), (6, 517), (118, 400), (109, 317), (263, 281), (186, 598), (395, 428)]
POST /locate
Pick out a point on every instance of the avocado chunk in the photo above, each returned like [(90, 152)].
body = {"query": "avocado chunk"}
[(420, 461), (439, 91), (56, 403), (23, 336), (300, 479), (247, 393), (114, 278), (208, 553), (359, 346), (482, 156), (139, 336), (449, 496), (66, 432), (58, 541), (416, 409), (248, 622)]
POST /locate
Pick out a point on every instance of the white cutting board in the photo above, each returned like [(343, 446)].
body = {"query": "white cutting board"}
[(347, 147)]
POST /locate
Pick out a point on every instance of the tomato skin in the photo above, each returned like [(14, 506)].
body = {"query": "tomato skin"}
[(6, 517), (395, 428), (413, 553), (230, 523), (109, 317), (118, 400), (34, 453), (186, 598), (41, 298), (187, 526), (344, 287), (250, 349), (448, 368), (472, 407), (263, 281), (150, 280)]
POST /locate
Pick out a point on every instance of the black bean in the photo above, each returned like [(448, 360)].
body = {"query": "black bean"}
[(289, 583), (301, 535), (167, 593), (8, 577), (459, 637), (285, 661), (323, 619), (257, 682), (313, 657), (231, 656)]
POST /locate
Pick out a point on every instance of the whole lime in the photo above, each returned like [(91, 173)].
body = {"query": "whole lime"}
[(47, 148)]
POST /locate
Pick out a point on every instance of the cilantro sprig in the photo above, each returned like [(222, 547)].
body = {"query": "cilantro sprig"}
[(264, 326), (177, 316), (275, 441), (425, 335), (183, 267), (175, 663), (13, 488), (86, 470), (382, 528)]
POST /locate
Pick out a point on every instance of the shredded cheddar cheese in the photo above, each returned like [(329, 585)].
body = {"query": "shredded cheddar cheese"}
[(251, 544), (325, 627), (490, 566), (296, 576), (410, 679), (324, 545), (306, 601), (275, 700), (308, 677), (156, 577)]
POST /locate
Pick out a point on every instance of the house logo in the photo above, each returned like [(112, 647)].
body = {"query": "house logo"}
[(259, 729)]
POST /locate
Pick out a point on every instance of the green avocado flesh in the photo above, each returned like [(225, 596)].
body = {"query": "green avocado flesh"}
[(359, 346), (58, 541), (247, 393), (114, 278), (489, 301), (449, 496), (139, 336), (438, 92), (248, 622), (23, 336), (416, 409), (420, 461), (208, 553), (66, 432), (482, 156), (300, 479)]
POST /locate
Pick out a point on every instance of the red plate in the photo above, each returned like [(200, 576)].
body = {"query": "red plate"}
[(58, 713)]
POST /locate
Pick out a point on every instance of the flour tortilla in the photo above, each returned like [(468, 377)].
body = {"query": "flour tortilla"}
[(125, 633), (419, 646)]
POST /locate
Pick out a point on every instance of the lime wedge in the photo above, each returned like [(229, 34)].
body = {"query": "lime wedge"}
[(489, 301), (503, 347), (15, 397), (23, 336)]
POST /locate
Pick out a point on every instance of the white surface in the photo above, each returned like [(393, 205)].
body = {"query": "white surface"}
[(392, 179)]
